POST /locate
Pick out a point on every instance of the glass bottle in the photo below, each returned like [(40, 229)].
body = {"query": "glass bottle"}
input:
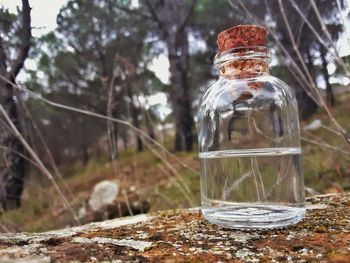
[(249, 142)]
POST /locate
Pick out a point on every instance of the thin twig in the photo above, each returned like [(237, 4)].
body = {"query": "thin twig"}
[(301, 76), (39, 162), (319, 38), (330, 130), (112, 142), (295, 47), (326, 32), (182, 184), (4, 148), (325, 145), (146, 139), (100, 116), (46, 148), (325, 107)]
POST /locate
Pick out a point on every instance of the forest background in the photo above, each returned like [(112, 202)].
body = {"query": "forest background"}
[(111, 92)]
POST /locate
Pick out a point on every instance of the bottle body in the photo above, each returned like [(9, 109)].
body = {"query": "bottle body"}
[(250, 155)]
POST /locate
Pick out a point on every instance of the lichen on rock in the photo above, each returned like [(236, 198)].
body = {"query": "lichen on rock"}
[(138, 245), (184, 235)]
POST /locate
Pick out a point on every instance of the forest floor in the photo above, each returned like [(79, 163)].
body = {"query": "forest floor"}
[(325, 171)]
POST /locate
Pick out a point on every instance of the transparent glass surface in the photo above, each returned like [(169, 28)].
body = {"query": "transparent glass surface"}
[(249, 143)]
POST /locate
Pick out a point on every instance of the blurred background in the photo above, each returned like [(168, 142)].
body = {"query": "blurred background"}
[(98, 100)]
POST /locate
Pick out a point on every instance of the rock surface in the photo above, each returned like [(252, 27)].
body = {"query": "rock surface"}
[(183, 235)]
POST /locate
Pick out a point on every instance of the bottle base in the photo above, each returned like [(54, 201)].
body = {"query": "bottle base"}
[(254, 216)]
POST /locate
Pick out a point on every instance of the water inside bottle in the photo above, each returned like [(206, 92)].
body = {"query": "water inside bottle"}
[(252, 188)]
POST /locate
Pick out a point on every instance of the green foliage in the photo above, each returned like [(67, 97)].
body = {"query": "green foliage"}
[(9, 33), (95, 41)]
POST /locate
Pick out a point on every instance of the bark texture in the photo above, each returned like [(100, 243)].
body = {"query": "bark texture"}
[(135, 114), (13, 166), (171, 18), (329, 90)]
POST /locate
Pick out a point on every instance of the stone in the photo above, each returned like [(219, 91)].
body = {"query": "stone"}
[(104, 193), (138, 245), (185, 236), (108, 202), (314, 125)]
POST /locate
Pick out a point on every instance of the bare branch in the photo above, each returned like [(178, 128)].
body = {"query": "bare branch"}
[(319, 38), (295, 45), (4, 148), (100, 116), (325, 145), (159, 23), (25, 36), (311, 85), (144, 137), (301, 77), (302, 26), (110, 125), (325, 107), (187, 16), (182, 185), (2, 57), (45, 146)]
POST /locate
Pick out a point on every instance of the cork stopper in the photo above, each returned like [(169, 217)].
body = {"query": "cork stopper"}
[(241, 36)]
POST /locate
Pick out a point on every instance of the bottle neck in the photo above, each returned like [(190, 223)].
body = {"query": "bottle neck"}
[(243, 62)]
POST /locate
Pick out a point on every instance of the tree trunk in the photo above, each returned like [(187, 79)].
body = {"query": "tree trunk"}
[(329, 90), (163, 132), (13, 170), (310, 65), (171, 18), (307, 107), (135, 112), (84, 143), (125, 141), (149, 124), (151, 133), (136, 122), (86, 156), (112, 128), (180, 95)]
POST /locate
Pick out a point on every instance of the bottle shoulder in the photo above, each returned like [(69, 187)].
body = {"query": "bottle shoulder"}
[(226, 91), (225, 82)]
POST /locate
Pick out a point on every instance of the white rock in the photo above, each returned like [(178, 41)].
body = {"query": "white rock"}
[(243, 253), (33, 239), (314, 125), (311, 191), (82, 212), (104, 193), (243, 237), (135, 244), (316, 207)]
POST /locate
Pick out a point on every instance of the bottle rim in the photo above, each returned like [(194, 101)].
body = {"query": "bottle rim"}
[(241, 53)]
